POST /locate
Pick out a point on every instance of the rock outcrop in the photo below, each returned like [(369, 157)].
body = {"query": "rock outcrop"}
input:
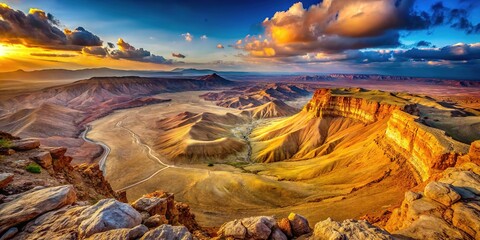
[(121, 234), (107, 214), (426, 149), (168, 232), (5, 179), (447, 209), (264, 227), (53, 169), (30, 205), (348, 229)]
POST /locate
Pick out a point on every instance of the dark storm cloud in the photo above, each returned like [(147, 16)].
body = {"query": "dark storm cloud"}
[(178, 55), (38, 28)]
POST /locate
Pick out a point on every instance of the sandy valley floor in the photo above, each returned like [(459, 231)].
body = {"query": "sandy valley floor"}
[(224, 192)]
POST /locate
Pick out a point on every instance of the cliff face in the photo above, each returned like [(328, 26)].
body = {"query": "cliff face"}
[(426, 149), (323, 104)]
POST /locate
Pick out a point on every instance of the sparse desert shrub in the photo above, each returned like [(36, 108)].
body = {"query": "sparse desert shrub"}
[(5, 143), (33, 168), (210, 165)]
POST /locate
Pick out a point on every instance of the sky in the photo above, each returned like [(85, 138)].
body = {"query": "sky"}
[(428, 38)]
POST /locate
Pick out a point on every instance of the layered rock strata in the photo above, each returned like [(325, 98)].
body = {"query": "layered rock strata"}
[(427, 149), (324, 103)]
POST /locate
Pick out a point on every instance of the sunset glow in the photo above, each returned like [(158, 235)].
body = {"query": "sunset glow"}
[(349, 36)]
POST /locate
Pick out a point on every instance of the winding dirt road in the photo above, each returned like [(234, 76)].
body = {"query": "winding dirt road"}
[(150, 154), (106, 149)]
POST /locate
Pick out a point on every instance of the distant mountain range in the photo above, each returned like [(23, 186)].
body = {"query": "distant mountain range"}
[(64, 74)]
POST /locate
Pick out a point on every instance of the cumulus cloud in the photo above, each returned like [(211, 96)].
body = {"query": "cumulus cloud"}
[(127, 51), (38, 28), (95, 50), (220, 46), (178, 55), (82, 37), (188, 37), (336, 26), (204, 37)]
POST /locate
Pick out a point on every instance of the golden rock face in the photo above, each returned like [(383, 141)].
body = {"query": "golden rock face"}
[(323, 103), (426, 149)]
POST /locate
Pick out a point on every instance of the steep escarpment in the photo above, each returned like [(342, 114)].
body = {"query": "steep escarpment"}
[(427, 149), (324, 104), (332, 119)]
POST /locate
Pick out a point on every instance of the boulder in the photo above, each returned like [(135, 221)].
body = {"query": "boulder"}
[(348, 229), (5, 179), (155, 221), (152, 205), (412, 196), (24, 144), (442, 193), (474, 152), (259, 227), (233, 229), (250, 228), (106, 215), (299, 224), (466, 216), (466, 183), (430, 227), (57, 152), (121, 234), (284, 225), (44, 159), (33, 204), (57, 224), (168, 232), (10, 233), (277, 234)]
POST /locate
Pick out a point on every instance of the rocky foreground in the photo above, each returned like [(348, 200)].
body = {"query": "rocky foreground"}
[(58, 201)]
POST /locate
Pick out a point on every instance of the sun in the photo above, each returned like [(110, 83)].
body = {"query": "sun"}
[(3, 50)]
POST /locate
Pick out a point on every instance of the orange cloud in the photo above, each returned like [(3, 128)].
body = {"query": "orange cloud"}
[(333, 26)]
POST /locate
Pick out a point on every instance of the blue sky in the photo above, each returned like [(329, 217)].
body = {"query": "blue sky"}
[(160, 27)]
